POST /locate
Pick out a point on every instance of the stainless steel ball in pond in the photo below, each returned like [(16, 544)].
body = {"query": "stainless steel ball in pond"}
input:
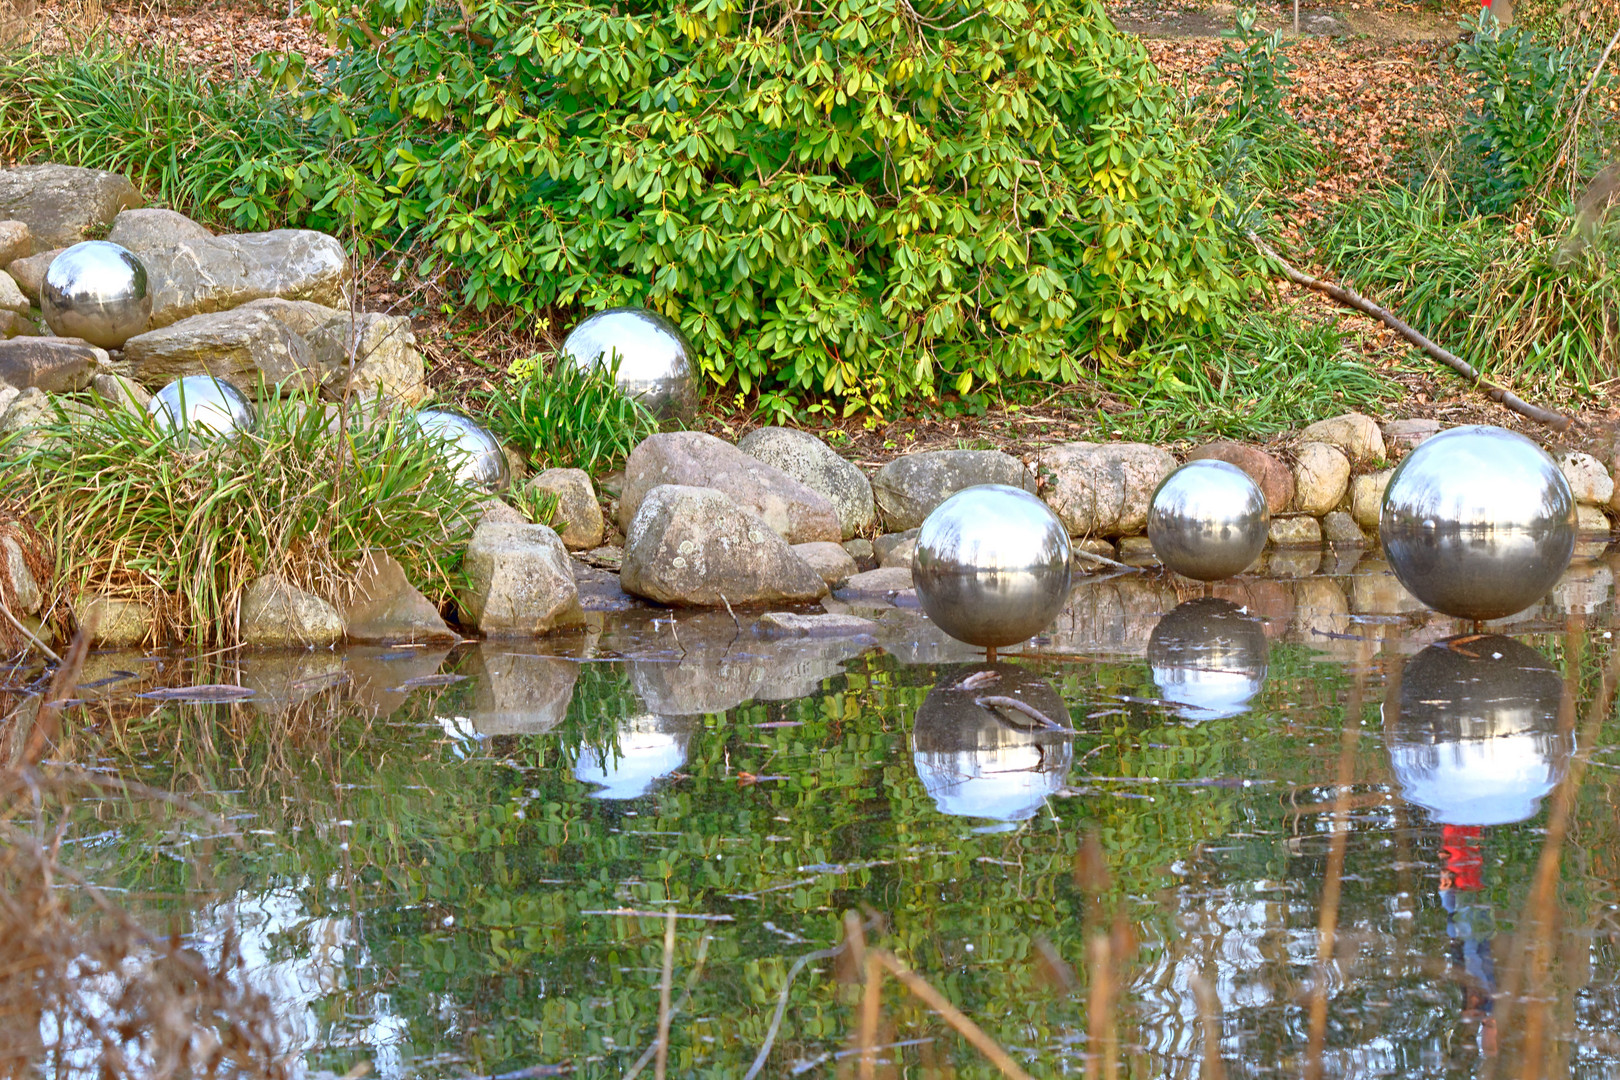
[(201, 404), (474, 454), (1208, 520), (992, 565), (1478, 522), (96, 291), (655, 361)]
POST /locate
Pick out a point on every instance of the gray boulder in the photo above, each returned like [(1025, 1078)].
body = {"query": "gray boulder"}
[(829, 560), (1354, 433), (112, 621), (23, 410), (121, 392), (788, 624), (819, 467), (1103, 489), (240, 346), (202, 274), (26, 595), (695, 547), (1321, 477), (16, 242), (29, 272), (577, 507), (152, 229), (302, 317), (1367, 498), (60, 204), (909, 487), (520, 582), (366, 354), (888, 585), (55, 365), (383, 605), (15, 325), (692, 459), (12, 298), (896, 549), (276, 613)]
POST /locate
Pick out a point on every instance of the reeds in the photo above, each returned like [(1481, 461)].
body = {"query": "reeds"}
[(569, 417)]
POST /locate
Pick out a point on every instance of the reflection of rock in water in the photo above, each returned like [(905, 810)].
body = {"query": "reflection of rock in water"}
[(518, 693), (1474, 735), (376, 672), (1208, 656), (648, 748), (975, 763)]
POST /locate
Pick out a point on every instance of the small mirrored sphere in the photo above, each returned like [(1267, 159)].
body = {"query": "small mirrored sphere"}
[(980, 760), (474, 454), (646, 749), (992, 565), (1208, 520), (1478, 522), (96, 291), (202, 405), (1472, 730), (655, 360), (1208, 657)]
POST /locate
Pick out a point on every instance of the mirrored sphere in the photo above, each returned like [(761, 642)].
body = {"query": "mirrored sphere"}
[(474, 453), (201, 404), (977, 761), (992, 565), (1208, 656), (1208, 520), (1478, 522), (1472, 730), (647, 749), (96, 291), (655, 360)]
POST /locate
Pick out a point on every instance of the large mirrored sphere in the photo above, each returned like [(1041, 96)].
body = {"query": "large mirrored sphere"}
[(1208, 520), (1478, 522), (96, 291), (655, 361), (1473, 730), (201, 405), (646, 749), (992, 565), (473, 453), (1208, 658), (978, 761)]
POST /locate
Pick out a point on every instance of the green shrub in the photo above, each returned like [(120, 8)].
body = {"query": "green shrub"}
[(133, 512), (1256, 141), (567, 417)]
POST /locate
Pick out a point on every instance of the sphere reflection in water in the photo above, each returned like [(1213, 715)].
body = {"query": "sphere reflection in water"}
[(655, 361), (474, 453), (649, 749), (1478, 522), (1208, 656), (992, 565), (201, 404), (96, 291), (1208, 520), (983, 760), (1473, 731)]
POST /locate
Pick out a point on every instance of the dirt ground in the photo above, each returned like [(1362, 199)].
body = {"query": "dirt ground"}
[(1369, 78)]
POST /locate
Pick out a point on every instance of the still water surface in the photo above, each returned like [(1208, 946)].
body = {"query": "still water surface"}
[(431, 876)]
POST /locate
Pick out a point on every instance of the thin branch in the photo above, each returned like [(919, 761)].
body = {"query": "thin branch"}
[(1567, 151)]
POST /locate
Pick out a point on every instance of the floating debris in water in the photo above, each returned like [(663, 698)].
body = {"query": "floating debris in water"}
[(429, 680), (205, 693)]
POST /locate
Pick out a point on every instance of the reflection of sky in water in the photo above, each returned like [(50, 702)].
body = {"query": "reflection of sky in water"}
[(1008, 783), (644, 756), (1490, 781), (1204, 694)]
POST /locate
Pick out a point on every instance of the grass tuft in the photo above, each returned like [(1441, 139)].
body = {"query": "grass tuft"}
[(565, 417)]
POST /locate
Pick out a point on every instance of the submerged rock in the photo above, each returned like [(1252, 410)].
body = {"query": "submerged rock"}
[(908, 488), (787, 624), (521, 582), (815, 464), (384, 606), (276, 613), (61, 204)]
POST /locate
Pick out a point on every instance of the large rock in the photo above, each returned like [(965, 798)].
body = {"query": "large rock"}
[(61, 204), (1354, 433), (577, 506), (1367, 498), (23, 410), (819, 467), (26, 595), (120, 392), (151, 229), (276, 613), (908, 488), (29, 272), (14, 325), (367, 354), (12, 298), (1401, 436), (1588, 479), (302, 317), (16, 242), (201, 274), (1341, 530), (241, 346), (692, 459), (55, 365), (113, 622), (520, 582), (1276, 480), (1321, 477), (695, 547), (383, 605), (1295, 531), (1103, 489), (829, 560)]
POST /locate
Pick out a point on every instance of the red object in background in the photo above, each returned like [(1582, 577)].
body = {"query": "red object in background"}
[(1460, 857)]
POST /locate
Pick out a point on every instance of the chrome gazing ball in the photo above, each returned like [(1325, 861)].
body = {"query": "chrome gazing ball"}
[(992, 565), (1208, 658), (980, 758), (1478, 522), (474, 455), (1472, 730), (1208, 520), (96, 291), (201, 405), (655, 360)]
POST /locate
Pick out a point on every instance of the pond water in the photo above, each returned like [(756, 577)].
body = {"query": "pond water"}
[(1301, 827)]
